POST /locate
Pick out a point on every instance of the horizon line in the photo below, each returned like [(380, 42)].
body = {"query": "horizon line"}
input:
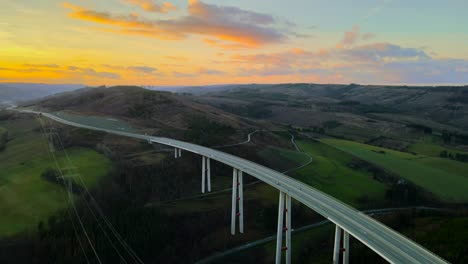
[(228, 84)]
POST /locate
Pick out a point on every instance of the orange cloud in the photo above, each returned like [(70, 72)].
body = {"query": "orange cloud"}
[(41, 65), (298, 51), (224, 44), (350, 37), (221, 23), (153, 6)]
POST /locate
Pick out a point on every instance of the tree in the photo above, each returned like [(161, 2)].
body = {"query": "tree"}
[(50, 175), (443, 154)]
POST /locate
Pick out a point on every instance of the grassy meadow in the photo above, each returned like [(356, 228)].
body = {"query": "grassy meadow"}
[(447, 179), (330, 173), (25, 197)]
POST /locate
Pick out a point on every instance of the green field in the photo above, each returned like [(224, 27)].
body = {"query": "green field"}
[(282, 159), (329, 172), (431, 149), (25, 197), (447, 179)]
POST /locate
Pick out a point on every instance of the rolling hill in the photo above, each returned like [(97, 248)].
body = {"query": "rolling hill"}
[(357, 112), (161, 113)]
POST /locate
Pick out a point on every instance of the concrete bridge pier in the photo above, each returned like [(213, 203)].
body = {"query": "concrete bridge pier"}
[(206, 174), (237, 197), (339, 248), (284, 226), (345, 247)]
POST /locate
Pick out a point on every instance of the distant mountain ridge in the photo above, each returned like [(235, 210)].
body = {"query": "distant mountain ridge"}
[(199, 89), (13, 92)]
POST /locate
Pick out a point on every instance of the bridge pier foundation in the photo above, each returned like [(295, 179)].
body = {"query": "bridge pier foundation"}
[(284, 211), (237, 197)]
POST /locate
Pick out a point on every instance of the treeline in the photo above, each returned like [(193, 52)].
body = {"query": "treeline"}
[(148, 104), (457, 156), (254, 110), (67, 183), (3, 138), (206, 132), (421, 128), (454, 138), (400, 191)]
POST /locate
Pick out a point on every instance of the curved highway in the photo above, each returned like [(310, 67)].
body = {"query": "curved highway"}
[(389, 244)]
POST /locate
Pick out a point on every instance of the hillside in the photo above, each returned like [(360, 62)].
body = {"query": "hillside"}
[(159, 113), (353, 111)]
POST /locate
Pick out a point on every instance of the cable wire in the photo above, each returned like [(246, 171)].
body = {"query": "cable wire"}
[(119, 238), (70, 193), (47, 147)]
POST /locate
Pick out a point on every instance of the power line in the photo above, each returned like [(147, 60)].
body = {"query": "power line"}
[(68, 196), (74, 207), (126, 247)]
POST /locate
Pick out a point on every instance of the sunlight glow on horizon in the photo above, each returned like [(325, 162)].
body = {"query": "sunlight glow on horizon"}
[(201, 42)]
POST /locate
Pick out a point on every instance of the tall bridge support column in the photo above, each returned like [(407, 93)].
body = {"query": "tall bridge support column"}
[(179, 153), (237, 197), (339, 248), (284, 211), (240, 192), (336, 248), (234, 201), (206, 174), (203, 174), (176, 153), (345, 247)]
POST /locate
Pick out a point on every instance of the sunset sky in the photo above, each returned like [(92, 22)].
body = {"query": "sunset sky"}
[(180, 42)]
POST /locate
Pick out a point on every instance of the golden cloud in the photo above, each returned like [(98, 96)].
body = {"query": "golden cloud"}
[(153, 6), (221, 23)]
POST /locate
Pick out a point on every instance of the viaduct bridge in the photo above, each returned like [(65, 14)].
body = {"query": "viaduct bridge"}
[(348, 221)]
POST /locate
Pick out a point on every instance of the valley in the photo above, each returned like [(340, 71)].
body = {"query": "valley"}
[(355, 156)]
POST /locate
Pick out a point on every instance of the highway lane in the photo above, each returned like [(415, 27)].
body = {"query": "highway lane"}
[(372, 212), (389, 244)]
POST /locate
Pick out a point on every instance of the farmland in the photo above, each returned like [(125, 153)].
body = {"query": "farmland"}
[(444, 178), (25, 197), (330, 173)]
